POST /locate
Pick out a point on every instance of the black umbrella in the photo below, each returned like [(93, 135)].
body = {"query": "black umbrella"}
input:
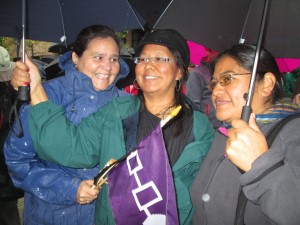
[(219, 24), (150, 11), (60, 21)]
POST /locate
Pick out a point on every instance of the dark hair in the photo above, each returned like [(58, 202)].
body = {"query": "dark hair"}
[(181, 65), (244, 55), (89, 33)]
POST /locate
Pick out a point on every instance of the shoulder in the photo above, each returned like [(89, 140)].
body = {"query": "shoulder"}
[(54, 83), (54, 88), (201, 125), (291, 128), (123, 106), (284, 132)]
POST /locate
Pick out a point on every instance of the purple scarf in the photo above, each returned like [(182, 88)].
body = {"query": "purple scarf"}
[(141, 188)]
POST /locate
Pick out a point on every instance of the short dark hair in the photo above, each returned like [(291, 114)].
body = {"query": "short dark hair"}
[(244, 55), (89, 33)]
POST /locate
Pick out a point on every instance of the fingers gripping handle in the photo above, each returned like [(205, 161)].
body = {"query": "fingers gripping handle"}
[(24, 93)]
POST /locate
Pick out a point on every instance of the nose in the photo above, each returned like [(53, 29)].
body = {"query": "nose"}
[(106, 64), (218, 90), (149, 64)]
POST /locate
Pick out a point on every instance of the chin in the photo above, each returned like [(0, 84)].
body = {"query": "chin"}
[(100, 88), (223, 118)]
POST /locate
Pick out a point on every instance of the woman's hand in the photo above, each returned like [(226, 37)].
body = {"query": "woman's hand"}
[(26, 73), (86, 193), (245, 143)]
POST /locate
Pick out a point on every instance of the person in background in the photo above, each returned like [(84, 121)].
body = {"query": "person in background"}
[(55, 194), (9, 194), (290, 81), (6, 66), (196, 87), (163, 58), (240, 158), (296, 93)]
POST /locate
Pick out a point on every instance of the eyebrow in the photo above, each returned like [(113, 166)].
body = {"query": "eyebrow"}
[(226, 72), (104, 54), (222, 74)]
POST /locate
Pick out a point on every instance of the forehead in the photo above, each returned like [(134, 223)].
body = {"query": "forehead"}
[(227, 65), (99, 42), (155, 49)]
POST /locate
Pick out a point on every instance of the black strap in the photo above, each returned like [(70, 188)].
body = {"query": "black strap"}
[(242, 200), (13, 115)]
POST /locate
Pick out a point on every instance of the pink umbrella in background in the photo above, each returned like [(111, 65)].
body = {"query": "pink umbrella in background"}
[(287, 64), (197, 52)]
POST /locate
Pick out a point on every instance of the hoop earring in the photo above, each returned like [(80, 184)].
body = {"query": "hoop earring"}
[(178, 85), (136, 85)]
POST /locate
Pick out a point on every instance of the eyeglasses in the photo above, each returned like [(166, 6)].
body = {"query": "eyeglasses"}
[(155, 60), (224, 80)]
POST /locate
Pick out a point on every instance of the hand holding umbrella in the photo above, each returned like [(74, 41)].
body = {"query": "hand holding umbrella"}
[(245, 143), (26, 73)]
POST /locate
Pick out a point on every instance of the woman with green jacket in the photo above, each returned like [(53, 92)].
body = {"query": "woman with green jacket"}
[(121, 125)]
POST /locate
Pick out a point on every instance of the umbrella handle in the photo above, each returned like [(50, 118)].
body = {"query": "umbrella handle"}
[(23, 93), (246, 112)]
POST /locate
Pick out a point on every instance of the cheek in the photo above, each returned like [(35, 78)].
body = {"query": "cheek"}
[(139, 69), (88, 67), (116, 69), (238, 93), (92, 66)]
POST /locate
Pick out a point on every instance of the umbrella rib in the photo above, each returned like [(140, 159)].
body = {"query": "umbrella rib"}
[(242, 40), (162, 14), (63, 24), (137, 18)]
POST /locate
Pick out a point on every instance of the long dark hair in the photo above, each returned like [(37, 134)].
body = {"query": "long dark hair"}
[(244, 55), (89, 33)]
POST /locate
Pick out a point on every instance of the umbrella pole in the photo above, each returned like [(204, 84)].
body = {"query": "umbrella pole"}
[(23, 29), (23, 91), (247, 108)]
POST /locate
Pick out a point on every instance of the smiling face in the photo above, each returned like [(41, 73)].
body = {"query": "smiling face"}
[(228, 100), (157, 79), (99, 61)]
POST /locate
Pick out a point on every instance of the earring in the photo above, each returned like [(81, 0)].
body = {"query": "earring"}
[(136, 85), (178, 85)]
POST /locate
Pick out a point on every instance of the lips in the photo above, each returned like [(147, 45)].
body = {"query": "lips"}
[(102, 76), (150, 77), (220, 102)]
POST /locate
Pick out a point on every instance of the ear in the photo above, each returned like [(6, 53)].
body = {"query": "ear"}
[(74, 58), (179, 74), (268, 84)]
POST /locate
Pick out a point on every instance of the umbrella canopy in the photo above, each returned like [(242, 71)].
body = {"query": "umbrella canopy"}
[(61, 20), (219, 24), (150, 11)]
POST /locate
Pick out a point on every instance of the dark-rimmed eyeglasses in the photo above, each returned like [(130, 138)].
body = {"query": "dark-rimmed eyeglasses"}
[(155, 60), (224, 80)]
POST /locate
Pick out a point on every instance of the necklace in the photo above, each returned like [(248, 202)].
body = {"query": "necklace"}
[(165, 111)]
